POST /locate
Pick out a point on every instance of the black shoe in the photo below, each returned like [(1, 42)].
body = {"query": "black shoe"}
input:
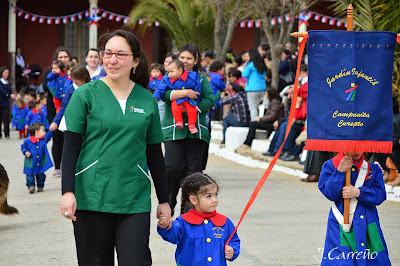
[(283, 154), (268, 153), (290, 157), (223, 141)]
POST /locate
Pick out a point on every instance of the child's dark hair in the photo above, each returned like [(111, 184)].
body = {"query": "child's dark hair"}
[(80, 72), (194, 185), (303, 68), (234, 72), (237, 88), (179, 64), (42, 96), (157, 66), (60, 65), (216, 66), (34, 127), (70, 65)]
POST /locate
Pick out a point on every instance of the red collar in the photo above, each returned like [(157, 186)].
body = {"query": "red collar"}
[(35, 111), (159, 78), (336, 160), (183, 77), (69, 78), (63, 74), (217, 74), (196, 218), (34, 139)]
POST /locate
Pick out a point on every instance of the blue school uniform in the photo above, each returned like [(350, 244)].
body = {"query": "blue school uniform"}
[(364, 244), (13, 113), (56, 84), (19, 117), (35, 116), (68, 93), (40, 160), (188, 80), (218, 85), (46, 122), (201, 238), (154, 82)]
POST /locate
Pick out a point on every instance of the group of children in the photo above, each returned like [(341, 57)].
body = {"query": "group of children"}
[(30, 115)]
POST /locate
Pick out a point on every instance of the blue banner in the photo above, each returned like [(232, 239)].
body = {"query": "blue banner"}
[(350, 91)]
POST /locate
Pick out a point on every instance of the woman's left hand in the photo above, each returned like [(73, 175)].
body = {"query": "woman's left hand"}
[(164, 209)]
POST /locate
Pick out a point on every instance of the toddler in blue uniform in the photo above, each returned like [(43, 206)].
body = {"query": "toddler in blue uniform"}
[(361, 242), (201, 233), (37, 157), (56, 83)]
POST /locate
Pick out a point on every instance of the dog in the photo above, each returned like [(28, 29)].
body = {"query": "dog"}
[(4, 207)]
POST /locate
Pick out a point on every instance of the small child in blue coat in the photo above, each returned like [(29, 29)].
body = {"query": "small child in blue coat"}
[(218, 85), (37, 157), (56, 83), (36, 115), (21, 111), (201, 233), (156, 74), (361, 242), (179, 79)]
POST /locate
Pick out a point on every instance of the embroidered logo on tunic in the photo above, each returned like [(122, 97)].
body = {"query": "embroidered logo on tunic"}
[(133, 109), (217, 234), (352, 91)]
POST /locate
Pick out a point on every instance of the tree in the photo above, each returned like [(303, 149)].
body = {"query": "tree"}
[(279, 33), (185, 21), (227, 13), (376, 15)]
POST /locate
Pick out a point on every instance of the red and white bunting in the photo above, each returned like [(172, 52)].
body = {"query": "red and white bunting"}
[(273, 21), (15, 10), (279, 19), (57, 20), (324, 19), (118, 18), (258, 23), (112, 16), (41, 20), (332, 21), (317, 16), (80, 15), (157, 24), (105, 14), (65, 20), (20, 13), (27, 16), (250, 23), (141, 21), (49, 20), (287, 17), (87, 13), (72, 18), (339, 23), (310, 15), (126, 20), (243, 24)]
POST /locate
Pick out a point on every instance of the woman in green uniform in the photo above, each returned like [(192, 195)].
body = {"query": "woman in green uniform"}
[(184, 151), (113, 127)]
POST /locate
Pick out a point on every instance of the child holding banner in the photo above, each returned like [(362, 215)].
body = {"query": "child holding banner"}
[(201, 233), (361, 242)]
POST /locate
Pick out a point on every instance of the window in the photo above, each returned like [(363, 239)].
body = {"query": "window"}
[(76, 38)]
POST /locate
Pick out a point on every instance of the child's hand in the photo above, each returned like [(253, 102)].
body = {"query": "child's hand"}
[(53, 126), (27, 154), (345, 164), (26, 127), (162, 221), (350, 192), (228, 252)]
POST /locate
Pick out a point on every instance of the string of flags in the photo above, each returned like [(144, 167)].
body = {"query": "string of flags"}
[(99, 13)]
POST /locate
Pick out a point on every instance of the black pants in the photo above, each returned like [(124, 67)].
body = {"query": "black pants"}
[(314, 161), (57, 148), (182, 158), (252, 130), (5, 119), (97, 233)]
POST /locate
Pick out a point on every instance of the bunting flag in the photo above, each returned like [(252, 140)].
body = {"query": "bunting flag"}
[(258, 23), (250, 24), (317, 17), (349, 104), (273, 21), (243, 24), (157, 24), (287, 17), (332, 21)]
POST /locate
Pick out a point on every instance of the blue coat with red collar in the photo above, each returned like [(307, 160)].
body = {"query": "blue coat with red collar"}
[(217, 84), (201, 241), (154, 82), (35, 116), (40, 160), (188, 80), (364, 244), (56, 84), (19, 117)]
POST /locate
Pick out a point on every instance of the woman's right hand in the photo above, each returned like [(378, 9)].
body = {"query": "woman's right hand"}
[(68, 206)]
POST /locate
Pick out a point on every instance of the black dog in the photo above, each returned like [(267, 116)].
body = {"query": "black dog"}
[(4, 207)]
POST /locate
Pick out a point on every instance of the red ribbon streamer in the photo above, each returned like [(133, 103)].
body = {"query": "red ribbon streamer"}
[(289, 125)]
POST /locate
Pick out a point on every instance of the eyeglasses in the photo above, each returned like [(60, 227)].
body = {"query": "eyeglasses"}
[(120, 56)]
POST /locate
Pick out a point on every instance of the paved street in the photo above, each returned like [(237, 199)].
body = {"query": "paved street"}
[(285, 226)]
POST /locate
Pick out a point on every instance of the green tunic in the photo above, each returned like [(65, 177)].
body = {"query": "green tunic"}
[(206, 102), (111, 172)]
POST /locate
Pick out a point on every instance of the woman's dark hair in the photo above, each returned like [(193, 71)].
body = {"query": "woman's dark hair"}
[(234, 72), (61, 49), (92, 49), (257, 60), (273, 94), (157, 66), (2, 69), (303, 68), (195, 52), (141, 75), (194, 185), (237, 88), (60, 65), (238, 59), (216, 66), (80, 72), (172, 55)]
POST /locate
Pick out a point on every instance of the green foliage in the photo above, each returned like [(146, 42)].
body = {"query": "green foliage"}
[(185, 21), (376, 15)]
